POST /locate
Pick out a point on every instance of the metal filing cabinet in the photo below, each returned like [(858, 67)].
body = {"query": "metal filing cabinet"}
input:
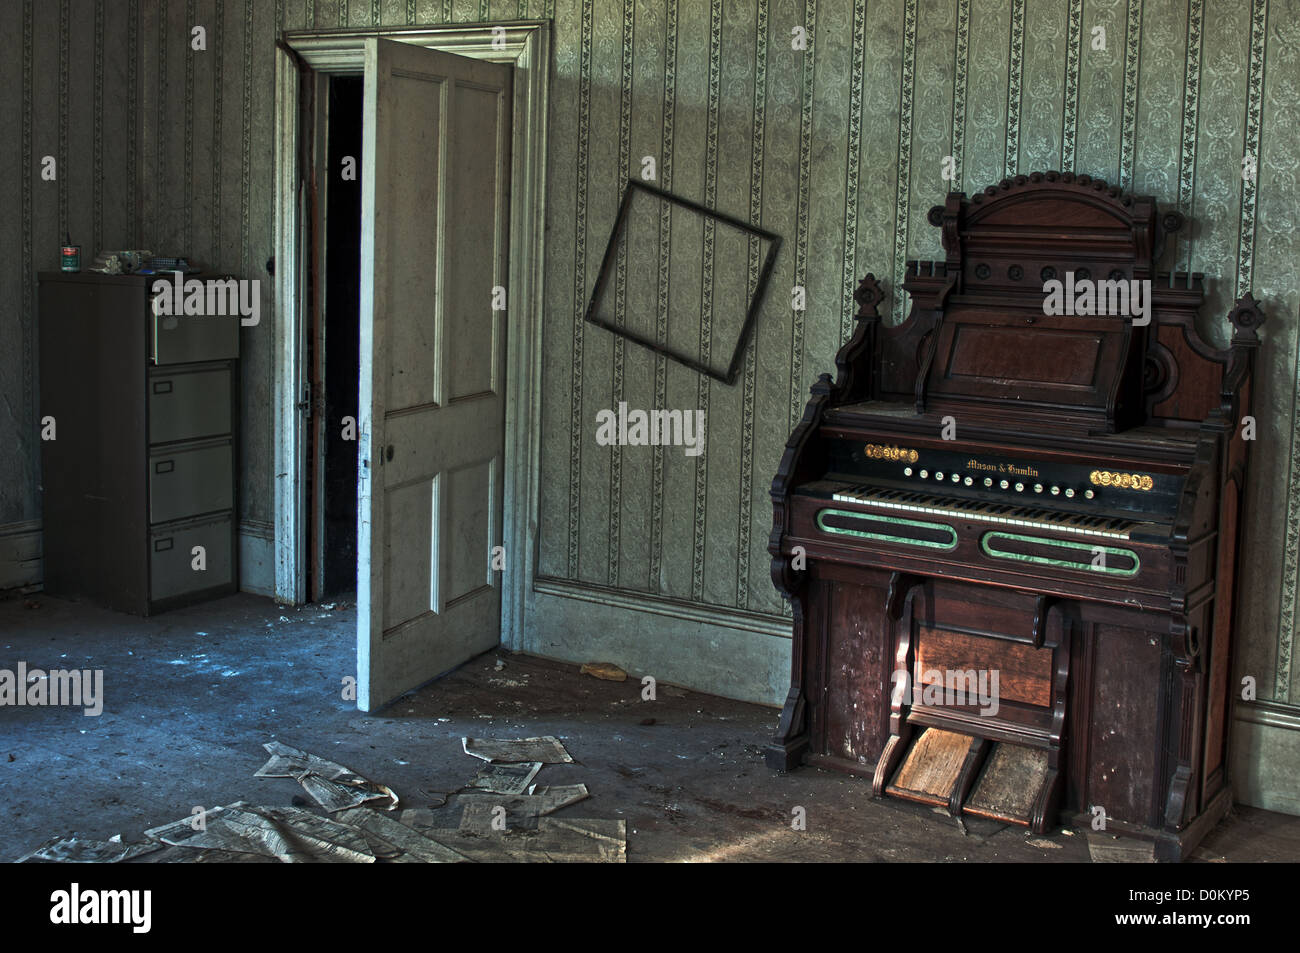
[(142, 468)]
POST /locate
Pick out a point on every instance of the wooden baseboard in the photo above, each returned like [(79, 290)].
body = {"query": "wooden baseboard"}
[(20, 554), (1265, 755)]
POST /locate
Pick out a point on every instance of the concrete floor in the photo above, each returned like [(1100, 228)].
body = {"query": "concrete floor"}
[(191, 695)]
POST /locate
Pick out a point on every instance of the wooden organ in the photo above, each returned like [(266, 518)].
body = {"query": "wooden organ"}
[(1010, 537)]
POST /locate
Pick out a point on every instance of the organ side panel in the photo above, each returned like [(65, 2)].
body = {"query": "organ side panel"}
[(852, 656)]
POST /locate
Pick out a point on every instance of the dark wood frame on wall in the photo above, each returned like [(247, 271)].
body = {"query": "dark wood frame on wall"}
[(733, 367)]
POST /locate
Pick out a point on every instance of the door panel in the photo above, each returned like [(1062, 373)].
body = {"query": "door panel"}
[(436, 159)]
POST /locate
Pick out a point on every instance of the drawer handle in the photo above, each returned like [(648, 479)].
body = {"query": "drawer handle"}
[(162, 545), (164, 466), (162, 387)]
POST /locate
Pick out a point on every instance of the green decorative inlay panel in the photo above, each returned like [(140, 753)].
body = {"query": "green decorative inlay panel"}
[(885, 537), (987, 540)]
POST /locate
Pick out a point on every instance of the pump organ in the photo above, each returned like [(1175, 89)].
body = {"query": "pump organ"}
[(1079, 535)]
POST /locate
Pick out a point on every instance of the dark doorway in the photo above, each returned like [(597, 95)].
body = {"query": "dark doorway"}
[(339, 341)]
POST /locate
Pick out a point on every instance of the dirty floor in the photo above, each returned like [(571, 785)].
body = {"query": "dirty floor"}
[(191, 695)]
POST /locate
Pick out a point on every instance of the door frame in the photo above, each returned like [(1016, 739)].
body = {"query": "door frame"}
[(525, 45)]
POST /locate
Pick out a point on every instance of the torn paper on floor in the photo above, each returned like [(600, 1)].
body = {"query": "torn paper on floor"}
[(328, 835), (290, 835), (337, 795), (412, 843), (81, 850), (289, 762), (185, 855), (212, 836), (556, 840), (330, 784), (547, 750), (522, 810), (505, 778)]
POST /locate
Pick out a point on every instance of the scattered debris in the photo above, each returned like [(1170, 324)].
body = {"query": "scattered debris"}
[(556, 840), (214, 834), (290, 835), (419, 847), (1042, 842), (333, 786), (418, 817), (359, 833), (80, 850), (501, 663), (606, 670), (547, 749), (184, 855), (505, 778), (564, 794), (337, 795), (440, 797), (522, 810), (334, 841)]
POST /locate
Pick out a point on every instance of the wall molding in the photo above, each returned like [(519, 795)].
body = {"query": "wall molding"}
[(638, 601), (256, 540), (1272, 714), (1265, 755), (731, 653), (20, 554)]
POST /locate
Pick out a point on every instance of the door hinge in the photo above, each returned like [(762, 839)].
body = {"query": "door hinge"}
[(304, 405)]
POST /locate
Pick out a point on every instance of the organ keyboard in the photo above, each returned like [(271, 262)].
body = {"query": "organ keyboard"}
[(1050, 505), (1062, 521)]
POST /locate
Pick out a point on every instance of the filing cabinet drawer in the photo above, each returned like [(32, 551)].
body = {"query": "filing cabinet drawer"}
[(180, 339), (172, 560), (190, 481), (186, 405)]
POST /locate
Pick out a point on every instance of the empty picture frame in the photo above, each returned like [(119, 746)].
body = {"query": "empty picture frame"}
[(657, 235)]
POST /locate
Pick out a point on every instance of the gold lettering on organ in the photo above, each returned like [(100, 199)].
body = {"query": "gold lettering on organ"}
[(1022, 470), (1125, 481), (902, 454)]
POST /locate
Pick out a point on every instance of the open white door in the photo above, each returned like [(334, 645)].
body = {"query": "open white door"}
[(435, 171)]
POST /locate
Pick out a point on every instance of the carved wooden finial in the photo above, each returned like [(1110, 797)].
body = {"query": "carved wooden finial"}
[(1246, 316), (868, 296)]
